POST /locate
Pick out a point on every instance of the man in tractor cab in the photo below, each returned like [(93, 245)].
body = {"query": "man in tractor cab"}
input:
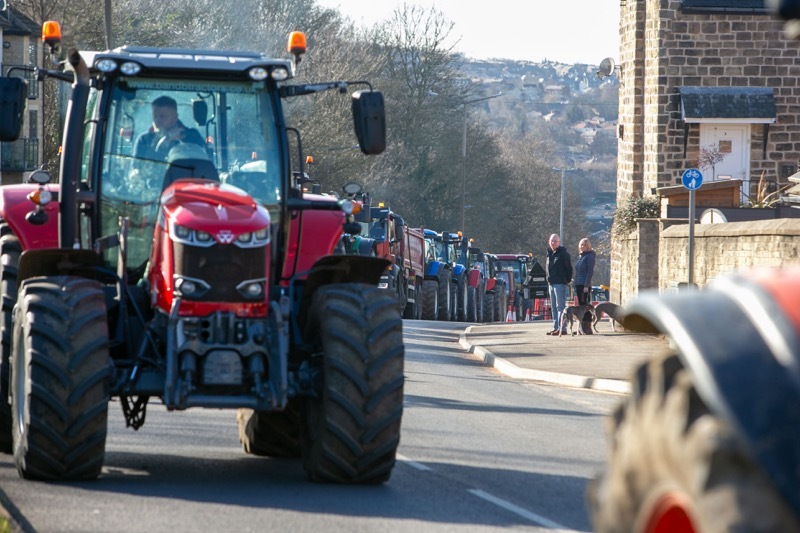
[(165, 133), (159, 144)]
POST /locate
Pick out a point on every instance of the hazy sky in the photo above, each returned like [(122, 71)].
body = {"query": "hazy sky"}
[(569, 31)]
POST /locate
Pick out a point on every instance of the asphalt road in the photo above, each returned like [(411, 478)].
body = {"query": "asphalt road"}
[(479, 452)]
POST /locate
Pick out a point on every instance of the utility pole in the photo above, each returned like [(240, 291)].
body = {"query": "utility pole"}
[(465, 103)]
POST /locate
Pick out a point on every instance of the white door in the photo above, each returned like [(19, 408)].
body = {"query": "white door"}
[(733, 143)]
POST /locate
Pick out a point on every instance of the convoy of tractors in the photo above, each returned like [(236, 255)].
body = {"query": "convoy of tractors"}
[(440, 275)]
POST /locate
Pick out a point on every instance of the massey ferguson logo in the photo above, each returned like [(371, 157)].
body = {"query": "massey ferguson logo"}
[(225, 236)]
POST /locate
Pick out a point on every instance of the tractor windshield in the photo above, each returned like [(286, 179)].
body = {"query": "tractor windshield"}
[(161, 130), (445, 253), (513, 265)]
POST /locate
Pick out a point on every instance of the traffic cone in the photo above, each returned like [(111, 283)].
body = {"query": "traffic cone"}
[(513, 314), (527, 315), (509, 315)]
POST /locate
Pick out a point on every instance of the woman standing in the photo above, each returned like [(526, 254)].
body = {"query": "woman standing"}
[(584, 268)]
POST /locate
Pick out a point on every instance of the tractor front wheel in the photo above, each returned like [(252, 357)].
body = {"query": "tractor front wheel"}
[(675, 466), (60, 376), (462, 291), (351, 430), (444, 295), (10, 249), (488, 307), (430, 299), (271, 433)]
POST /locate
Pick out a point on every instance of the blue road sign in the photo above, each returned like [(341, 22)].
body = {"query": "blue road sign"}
[(692, 179)]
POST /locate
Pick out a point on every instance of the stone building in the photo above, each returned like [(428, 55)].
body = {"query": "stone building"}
[(21, 53), (699, 77)]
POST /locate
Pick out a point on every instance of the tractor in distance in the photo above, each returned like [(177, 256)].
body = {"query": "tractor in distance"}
[(495, 298), (439, 293), (519, 264), (204, 278), (404, 248), (474, 262)]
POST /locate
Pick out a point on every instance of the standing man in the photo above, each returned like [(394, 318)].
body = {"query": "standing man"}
[(559, 274)]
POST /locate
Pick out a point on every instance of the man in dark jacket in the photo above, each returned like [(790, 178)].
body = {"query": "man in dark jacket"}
[(559, 274)]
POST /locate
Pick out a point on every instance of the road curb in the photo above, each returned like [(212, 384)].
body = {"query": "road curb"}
[(557, 378)]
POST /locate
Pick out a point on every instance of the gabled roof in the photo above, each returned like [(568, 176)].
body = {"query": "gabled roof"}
[(15, 23)]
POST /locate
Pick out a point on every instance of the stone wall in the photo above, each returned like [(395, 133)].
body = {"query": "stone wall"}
[(720, 248), (656, 255), (636, 258)]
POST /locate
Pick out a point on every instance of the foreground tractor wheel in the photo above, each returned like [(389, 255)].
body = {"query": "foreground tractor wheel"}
[(60, 379), (351, 432), (444, 295), (675, 466), (9, 258), (271, 434), (430, 299)]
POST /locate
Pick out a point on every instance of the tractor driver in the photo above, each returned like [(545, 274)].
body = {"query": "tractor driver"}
[(165, 133), (152, 147)]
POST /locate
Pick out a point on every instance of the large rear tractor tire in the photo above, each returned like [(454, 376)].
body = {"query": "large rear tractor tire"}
[(271, 433), (352, 430), (444, 295), (462, 299), (675, 466), (430, 299), (10, 249), (60, 376), (488, 307), (500, 304)]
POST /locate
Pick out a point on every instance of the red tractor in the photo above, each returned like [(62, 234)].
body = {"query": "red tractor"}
[(204, 278), (404, 247)]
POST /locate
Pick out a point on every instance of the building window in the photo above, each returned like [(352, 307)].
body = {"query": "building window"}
[(33, 123), (33, 52)]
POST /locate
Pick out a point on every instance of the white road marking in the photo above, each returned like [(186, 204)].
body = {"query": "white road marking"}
[(413, 464), (519, 511)]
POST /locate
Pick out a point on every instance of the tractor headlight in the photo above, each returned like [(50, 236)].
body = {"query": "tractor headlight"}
[(279, 74), (251, 289), (190, 288), (182, 232), (106, 65), (257, 73), (129, 68)]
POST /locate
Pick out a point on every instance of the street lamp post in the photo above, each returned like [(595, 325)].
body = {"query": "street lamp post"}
[(561, 218), (465, 103)]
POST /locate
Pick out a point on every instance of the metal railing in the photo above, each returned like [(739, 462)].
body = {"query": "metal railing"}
[(20, 155)]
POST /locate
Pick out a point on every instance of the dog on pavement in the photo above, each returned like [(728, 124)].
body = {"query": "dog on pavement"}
[(573, 313), (615, 312)]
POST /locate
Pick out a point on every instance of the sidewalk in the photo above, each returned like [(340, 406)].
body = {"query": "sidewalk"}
[(603, 361)]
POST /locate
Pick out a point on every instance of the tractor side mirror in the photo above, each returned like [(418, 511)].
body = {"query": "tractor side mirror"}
[(369, 121), (13, 95), (200, 112)]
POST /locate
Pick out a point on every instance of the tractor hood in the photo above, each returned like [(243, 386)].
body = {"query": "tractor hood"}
[(222, 211)]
